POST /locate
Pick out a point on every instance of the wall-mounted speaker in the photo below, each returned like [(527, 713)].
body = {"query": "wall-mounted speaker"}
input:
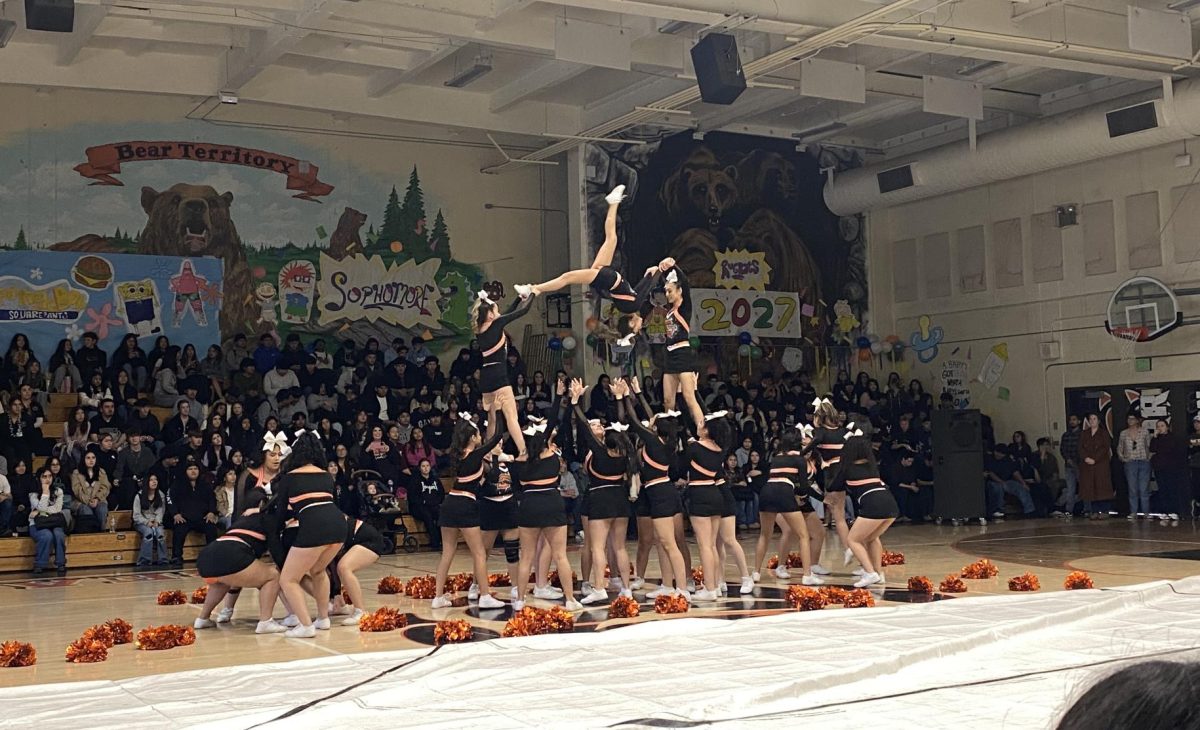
[(1131, 119), (718, 68), (56, 16), (897, 178)]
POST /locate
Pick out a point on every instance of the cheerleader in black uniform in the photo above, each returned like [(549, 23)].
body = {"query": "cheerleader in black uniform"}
[(706, 457), (611, 463), (680, 371), (607, 281), (306, 491), (498, 514), (789, 473), (541, 511), (362, 548), (874, 505), (828, 441), (727, 533), (460, 509), (232, 561), (660, 446), (493, 341)]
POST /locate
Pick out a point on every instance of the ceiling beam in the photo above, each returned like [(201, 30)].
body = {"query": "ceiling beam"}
[(384, 83), (87, 19), (272, 44), (542, 77)]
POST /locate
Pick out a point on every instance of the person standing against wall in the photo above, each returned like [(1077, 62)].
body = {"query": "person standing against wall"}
[(1095, 476), (1068, 446), (1133, 449), (1169, 457)]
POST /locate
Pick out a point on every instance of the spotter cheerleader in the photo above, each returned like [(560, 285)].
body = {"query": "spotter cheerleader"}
[(362, 548), (611, 463), (233, 561), (493, 341), (789, 474), (874, 505), (460, 509), (498, 514), (706, 456), (828, 440), (727, 531)]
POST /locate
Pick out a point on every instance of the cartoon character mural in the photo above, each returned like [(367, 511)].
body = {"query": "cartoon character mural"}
[(187, 287)]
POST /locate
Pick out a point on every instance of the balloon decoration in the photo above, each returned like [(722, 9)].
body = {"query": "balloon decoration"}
[(863, 343), (744, 350), (755, 352), (591, 340), (864, 355), (745, 338), (568, 343), (591, 324), (694, 341), (876, 348), (555, 344)]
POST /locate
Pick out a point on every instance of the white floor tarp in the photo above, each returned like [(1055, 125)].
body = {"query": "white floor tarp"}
[(1011, 661)]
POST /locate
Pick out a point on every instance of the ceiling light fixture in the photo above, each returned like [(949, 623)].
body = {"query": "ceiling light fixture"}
[(978, 67), (481, 67)]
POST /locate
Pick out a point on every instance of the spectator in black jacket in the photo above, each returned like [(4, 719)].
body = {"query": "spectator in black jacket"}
[(89, 358), (192, 507), (178, 425), (425, 501), (382, 406), (145, 424)]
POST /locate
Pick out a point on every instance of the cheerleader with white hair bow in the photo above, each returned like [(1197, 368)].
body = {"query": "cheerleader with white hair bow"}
[(827, 442), (498, 397), (873, 503)]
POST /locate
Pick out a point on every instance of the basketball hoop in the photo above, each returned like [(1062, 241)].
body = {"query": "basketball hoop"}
[(1127, 339)]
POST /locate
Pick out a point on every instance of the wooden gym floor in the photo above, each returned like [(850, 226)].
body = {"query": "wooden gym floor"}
[(52, 612)]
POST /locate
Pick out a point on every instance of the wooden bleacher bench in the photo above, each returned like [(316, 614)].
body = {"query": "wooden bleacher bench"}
[(90, 550)]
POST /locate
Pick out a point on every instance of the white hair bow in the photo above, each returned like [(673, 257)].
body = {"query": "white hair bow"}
[(303, 431), (715, 415), (806, 430), (618, 427), (819, 400), (670, 414), (534, 428), (672, 276), (593, 421), (851, 432), (466, 418), (271, 440), (484, 297)]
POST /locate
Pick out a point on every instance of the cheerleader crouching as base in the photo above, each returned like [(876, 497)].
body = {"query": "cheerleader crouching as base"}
[(874, 506), (460, 509), (233, 561), (363, 547)]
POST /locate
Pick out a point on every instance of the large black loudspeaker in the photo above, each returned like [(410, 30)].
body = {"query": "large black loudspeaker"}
[(57, 16), (718, 68), (958, 465)]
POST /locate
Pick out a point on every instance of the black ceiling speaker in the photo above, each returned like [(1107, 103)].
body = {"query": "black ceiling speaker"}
[(57, 16), (718, 68)]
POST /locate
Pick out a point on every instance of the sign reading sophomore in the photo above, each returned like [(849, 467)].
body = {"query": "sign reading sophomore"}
[(357, 287)]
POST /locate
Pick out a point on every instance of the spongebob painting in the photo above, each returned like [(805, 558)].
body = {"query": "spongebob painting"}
[(138, 300)]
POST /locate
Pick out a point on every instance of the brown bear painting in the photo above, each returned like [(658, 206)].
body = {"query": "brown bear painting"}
[(346, 240), (194, 220)]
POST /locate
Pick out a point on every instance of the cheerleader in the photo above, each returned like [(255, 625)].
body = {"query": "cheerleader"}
[(727, 532), (494, 381), (363, 547), (611, 463), (232, 561), (306, 491), (460, 509), (541, 511), (828, 441), (679, 372), (789, 473), (706, 456), (498, 515), (874, 505), (658, 496), (606, 281)]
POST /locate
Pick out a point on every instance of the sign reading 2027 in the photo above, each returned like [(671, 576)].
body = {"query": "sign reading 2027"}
[(724, 312)]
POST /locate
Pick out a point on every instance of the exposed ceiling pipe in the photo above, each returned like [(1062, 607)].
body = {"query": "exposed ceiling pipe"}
[(1047, 144)]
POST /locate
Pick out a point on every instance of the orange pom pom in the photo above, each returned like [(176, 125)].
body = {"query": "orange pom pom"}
[(458, 582), (980, 569), (920, 584), (773, 562), (200, 594), (623, 607), (452, 632), (100, 632), (794, 561), (17, 654), (422, 586), (890, 558), (698, 576), (122, 631), (499, 580), (833, 595), (952, 584), (171, 598), (673, 603), (530, 621), (1024, 582), (803, 598), (383, 619), (346, 598), (83, 651), (859, 598), (389, 585), (158, 638), (1078, 580)]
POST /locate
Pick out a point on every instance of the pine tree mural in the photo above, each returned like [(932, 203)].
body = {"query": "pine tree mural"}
[(439, 238), (21, 244), (392, 228), (414, 234)]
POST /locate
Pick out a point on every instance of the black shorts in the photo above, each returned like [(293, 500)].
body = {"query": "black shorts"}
[(681, 360), (224, 557), (370, 538), (493, 377), (606, 503), (877, 504), (496, 516), (779, 498), (458, 511), (542, 508), (830, 481), (622, 295), (663, 500), (728, 501), (705, 501), (321, 524), (641, 507)]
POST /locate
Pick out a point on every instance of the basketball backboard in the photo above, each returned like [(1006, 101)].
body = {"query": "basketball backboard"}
[(1142, 309)]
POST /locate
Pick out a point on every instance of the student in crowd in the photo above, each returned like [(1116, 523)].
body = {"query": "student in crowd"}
[(1004, 478), (149, 516), (47, 523)]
